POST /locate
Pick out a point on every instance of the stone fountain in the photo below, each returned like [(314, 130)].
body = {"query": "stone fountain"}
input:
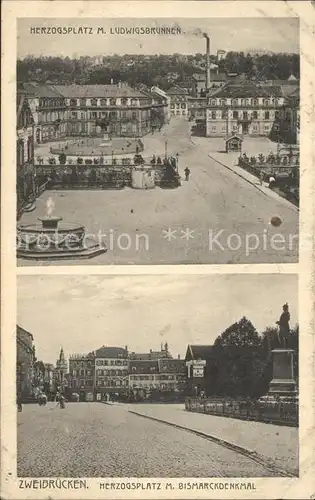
[(55, 239)]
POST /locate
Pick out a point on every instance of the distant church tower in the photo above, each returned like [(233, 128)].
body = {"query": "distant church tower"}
[(61, 368)]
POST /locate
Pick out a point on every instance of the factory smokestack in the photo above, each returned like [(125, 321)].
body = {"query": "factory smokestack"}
[(207, 61)]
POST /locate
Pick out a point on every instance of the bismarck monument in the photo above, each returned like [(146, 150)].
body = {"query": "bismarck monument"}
[(283, 384)]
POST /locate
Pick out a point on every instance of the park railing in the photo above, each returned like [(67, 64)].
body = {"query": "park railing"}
[(269, 411)]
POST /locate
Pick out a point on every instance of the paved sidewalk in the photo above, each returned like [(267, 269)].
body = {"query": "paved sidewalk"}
[(278, 444), (230, 161)]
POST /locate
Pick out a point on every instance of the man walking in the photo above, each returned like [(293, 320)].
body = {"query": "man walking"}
[(187, 173)]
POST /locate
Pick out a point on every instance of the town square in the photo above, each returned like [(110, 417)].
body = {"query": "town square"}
[(159, 157), (153, 376)]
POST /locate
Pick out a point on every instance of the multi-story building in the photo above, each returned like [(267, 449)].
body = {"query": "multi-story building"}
[(49, 378), (88, 110), (49, 112), (178, 101), (82, 375), (172, 374), (111, 371), (25, 181), (221, 55), (245, 109), (24, 362), (198, 111), (166, 100), (287, 126), (123, 110), (164, 375)]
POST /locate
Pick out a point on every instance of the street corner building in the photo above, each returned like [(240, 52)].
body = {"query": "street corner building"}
[(61, 111), (252, 109)]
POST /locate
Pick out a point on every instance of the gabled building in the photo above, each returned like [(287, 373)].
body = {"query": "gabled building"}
[(178, 101), (198, 362), (200, 81), (245, 109), (173, 374)]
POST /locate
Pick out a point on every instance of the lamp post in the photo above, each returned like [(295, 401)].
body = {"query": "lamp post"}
[(165, 148), (177, 156)]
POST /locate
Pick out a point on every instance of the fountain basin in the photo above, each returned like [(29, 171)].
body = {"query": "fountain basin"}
[(55, 239)]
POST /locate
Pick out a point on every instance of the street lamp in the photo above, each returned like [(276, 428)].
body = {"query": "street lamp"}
[(165, 148)]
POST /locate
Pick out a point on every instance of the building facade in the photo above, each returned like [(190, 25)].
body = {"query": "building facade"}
[(287, 126), (25, 180), (82, 375), (49, 112), (25, 359), (111, 371), (245, 109), (178, 101), (198, 363)]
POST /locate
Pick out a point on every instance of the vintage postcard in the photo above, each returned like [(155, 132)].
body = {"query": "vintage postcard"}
[(157, 250)]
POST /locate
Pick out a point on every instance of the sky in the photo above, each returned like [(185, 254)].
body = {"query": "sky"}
[(238, 34), (83, 313)]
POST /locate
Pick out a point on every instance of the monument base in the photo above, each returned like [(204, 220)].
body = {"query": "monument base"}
[(282, 385), (106, 141)]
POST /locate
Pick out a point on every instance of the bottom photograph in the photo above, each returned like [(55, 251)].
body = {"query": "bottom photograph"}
[(157, 376)]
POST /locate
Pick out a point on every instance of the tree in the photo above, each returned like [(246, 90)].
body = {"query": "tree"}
[(240, 361)]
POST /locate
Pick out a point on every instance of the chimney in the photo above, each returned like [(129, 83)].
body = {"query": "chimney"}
[(207, 61), (178, 356), (126, 348)]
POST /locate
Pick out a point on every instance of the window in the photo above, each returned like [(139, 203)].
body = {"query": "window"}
[(234, 102), (94, 102), (245, 115), (214, 129), (172, 106), (99, 362), (183, 106), (213, 115), (134, 102), (94, 114), (103, 102), (224, 114), (134, 115), (255, 102), (82, 102), (266, 127), (255, 115), (112, 102), (266, 102), (74, 114), (222, 102), (124, 101), (73, 102), (267, 115), (213, 102), (235, 115)]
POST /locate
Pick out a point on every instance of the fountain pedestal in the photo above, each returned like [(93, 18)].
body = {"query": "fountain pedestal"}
[(282, 383), (106, 141), (50, 222)]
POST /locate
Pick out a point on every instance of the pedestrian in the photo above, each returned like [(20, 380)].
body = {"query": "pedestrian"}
[(272, 182), (187, 173)]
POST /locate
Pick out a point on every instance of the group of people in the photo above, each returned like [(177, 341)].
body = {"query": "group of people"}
[(42, 400)]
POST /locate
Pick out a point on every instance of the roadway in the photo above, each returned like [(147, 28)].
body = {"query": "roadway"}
[(97, 440)]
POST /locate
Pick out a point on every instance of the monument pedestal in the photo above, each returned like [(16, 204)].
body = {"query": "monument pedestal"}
[(282, 383)]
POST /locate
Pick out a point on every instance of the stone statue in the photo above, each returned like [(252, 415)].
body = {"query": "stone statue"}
[(284, 328)]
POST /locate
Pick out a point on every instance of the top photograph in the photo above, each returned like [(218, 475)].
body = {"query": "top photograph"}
[(157, 141)]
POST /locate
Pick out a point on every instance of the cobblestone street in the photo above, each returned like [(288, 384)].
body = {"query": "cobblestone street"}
[(205, 220), (97, 440)]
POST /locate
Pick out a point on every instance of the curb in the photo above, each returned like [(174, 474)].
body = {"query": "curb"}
[(265, 461), (291, 205)]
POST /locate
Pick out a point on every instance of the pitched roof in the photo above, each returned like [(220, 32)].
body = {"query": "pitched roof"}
[(39, 90), (111, 352), (199, 351), (20, 331), (172, 365), (214, 76), (247, 89), (82, 91), (177, 90), (143, 366)]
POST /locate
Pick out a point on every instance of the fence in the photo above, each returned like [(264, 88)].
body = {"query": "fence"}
[(270, 411)]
